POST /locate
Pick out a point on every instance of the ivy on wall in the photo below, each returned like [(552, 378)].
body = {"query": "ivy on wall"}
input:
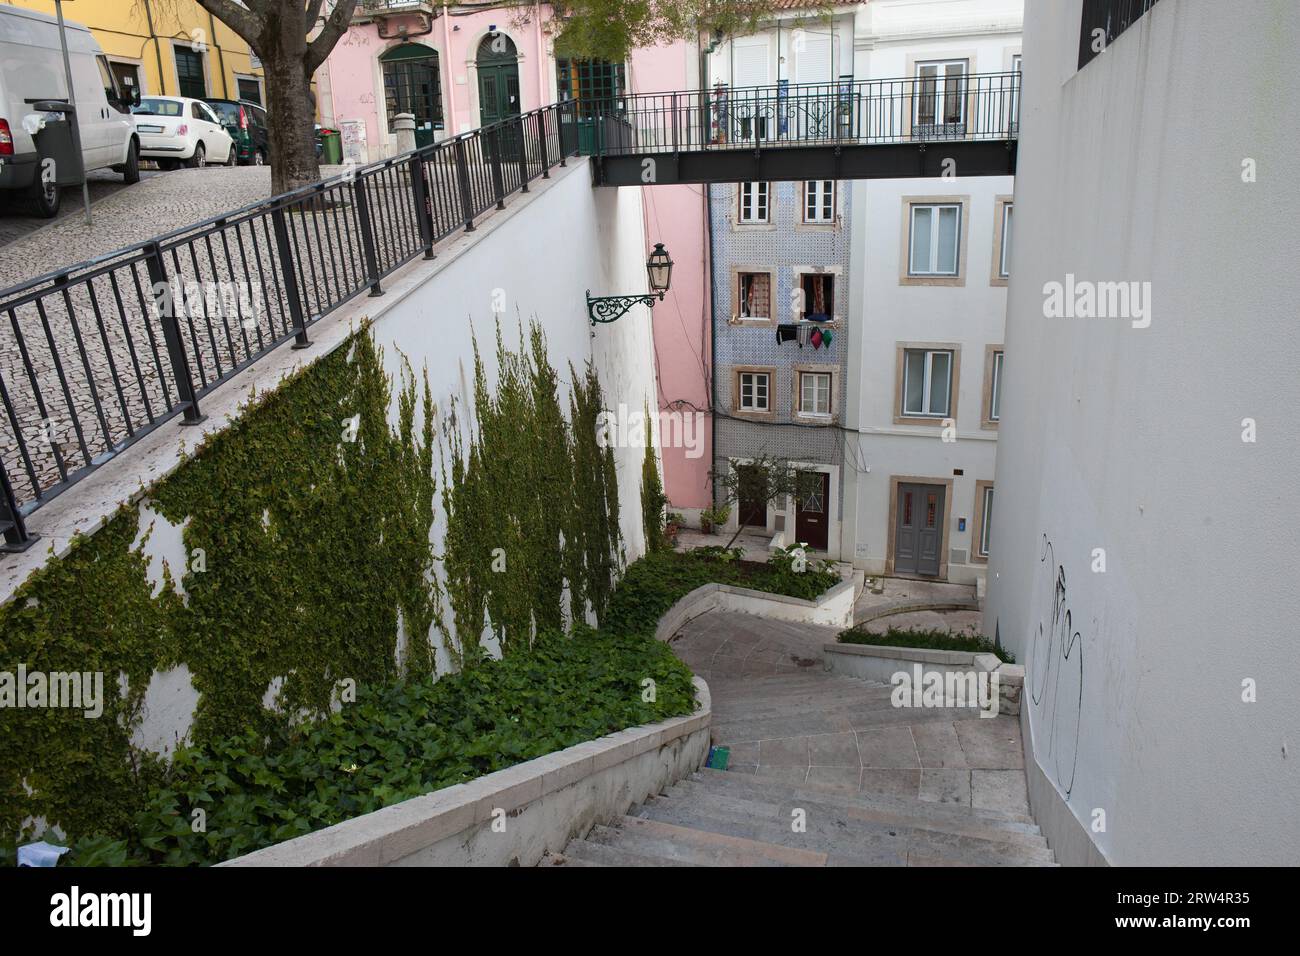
[(309, 567), (653, 498), (531, 503)]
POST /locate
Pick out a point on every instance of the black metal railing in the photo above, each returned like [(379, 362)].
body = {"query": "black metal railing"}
[(95, 356), (972, 106), (1103, 20)]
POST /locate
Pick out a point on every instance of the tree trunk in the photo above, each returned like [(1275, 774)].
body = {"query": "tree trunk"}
[(292, 124)]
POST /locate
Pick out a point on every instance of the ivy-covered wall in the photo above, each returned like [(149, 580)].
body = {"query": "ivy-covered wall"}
[(310, 566)]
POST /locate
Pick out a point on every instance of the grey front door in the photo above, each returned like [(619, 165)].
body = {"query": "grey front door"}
[(918, 534)]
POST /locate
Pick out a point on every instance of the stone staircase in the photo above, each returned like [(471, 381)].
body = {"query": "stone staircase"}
[(716, 818), (824, 771)]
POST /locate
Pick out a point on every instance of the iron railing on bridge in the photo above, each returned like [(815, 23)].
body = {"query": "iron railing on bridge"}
[(966, 106), (97, 355)]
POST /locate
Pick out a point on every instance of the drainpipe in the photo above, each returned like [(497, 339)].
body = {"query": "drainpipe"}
[(713, 343), (157, 50), (542, 94), (221, 57), (450, 124)]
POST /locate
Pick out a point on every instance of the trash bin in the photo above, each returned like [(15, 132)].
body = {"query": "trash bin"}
[(54, 141), (331, 147)]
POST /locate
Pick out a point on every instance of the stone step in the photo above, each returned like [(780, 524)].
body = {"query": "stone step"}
[(839, 823), (655, 838), (601, 848), (844, 841), (917, 817), (562, 859), (764, 788), (841, 845)]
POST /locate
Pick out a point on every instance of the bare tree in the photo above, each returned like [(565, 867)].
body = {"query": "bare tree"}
[(278, 32), (765, 480)]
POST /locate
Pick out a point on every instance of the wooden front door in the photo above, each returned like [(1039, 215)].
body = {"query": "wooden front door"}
[(812, 519), (752, 509), (918, 536)]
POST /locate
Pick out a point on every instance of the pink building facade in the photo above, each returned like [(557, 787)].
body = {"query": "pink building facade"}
[(677, 216), (462, 66), (441, 50)]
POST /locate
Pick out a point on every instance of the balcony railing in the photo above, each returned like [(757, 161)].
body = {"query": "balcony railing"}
[(974, 106), (95, 356)]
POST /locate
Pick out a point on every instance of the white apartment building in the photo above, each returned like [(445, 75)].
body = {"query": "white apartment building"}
[(1139, 568), (927, 304)]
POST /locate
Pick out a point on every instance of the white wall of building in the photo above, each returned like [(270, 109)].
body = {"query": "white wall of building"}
[(892, 35), (1130, 439)]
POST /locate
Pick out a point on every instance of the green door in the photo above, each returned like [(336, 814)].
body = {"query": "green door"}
[(498, 79)]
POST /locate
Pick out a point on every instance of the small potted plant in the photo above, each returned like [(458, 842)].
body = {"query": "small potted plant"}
[(671, 527), (713, 519)]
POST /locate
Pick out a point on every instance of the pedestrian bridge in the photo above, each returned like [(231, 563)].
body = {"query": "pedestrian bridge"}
[(963, 125)]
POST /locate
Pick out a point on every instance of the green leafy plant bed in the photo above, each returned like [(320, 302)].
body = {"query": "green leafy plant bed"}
[(398, 741), (652, 585), (928, 640)]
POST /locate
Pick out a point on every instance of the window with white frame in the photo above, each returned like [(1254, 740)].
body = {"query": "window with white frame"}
[(927, 383), (986, 522), (754, 206), (995, 389), (1005, 251), (819, 200), (814, 393), (941, 93), (934, 239), (755, 389)]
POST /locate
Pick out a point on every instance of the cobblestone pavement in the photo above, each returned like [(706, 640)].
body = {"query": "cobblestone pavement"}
[(84, 368), (16, 222), (158, 203)]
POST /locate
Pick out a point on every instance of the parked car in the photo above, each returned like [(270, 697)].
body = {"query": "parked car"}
[(177, 129), (246, 123), (31, 70)]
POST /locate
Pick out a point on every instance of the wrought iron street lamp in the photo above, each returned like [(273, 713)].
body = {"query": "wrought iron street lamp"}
[(607, 308)]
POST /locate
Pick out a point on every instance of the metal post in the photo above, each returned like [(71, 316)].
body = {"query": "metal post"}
[(559, 128), (462, 174), (16, 536), (498, 181), (290, 273), (541, 141), (523, 155), (367, 235), (676, 146), (72, 101), (423, 212), (171, 327)]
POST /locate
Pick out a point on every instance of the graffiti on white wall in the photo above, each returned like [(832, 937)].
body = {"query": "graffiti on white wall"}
[(1055, 673)]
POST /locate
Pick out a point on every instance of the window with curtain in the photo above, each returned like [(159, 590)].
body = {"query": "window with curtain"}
[(815, 393)]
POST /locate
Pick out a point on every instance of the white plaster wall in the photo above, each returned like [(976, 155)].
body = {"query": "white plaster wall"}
[(1131, 439), (890, 36), (883, 313)]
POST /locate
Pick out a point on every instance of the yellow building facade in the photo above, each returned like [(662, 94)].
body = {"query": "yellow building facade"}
[(167, 47)]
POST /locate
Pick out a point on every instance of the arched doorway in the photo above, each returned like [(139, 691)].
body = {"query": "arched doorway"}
[(498, 78), (412, 85)]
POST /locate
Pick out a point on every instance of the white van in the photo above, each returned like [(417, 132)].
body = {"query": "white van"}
[(31, 69)]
